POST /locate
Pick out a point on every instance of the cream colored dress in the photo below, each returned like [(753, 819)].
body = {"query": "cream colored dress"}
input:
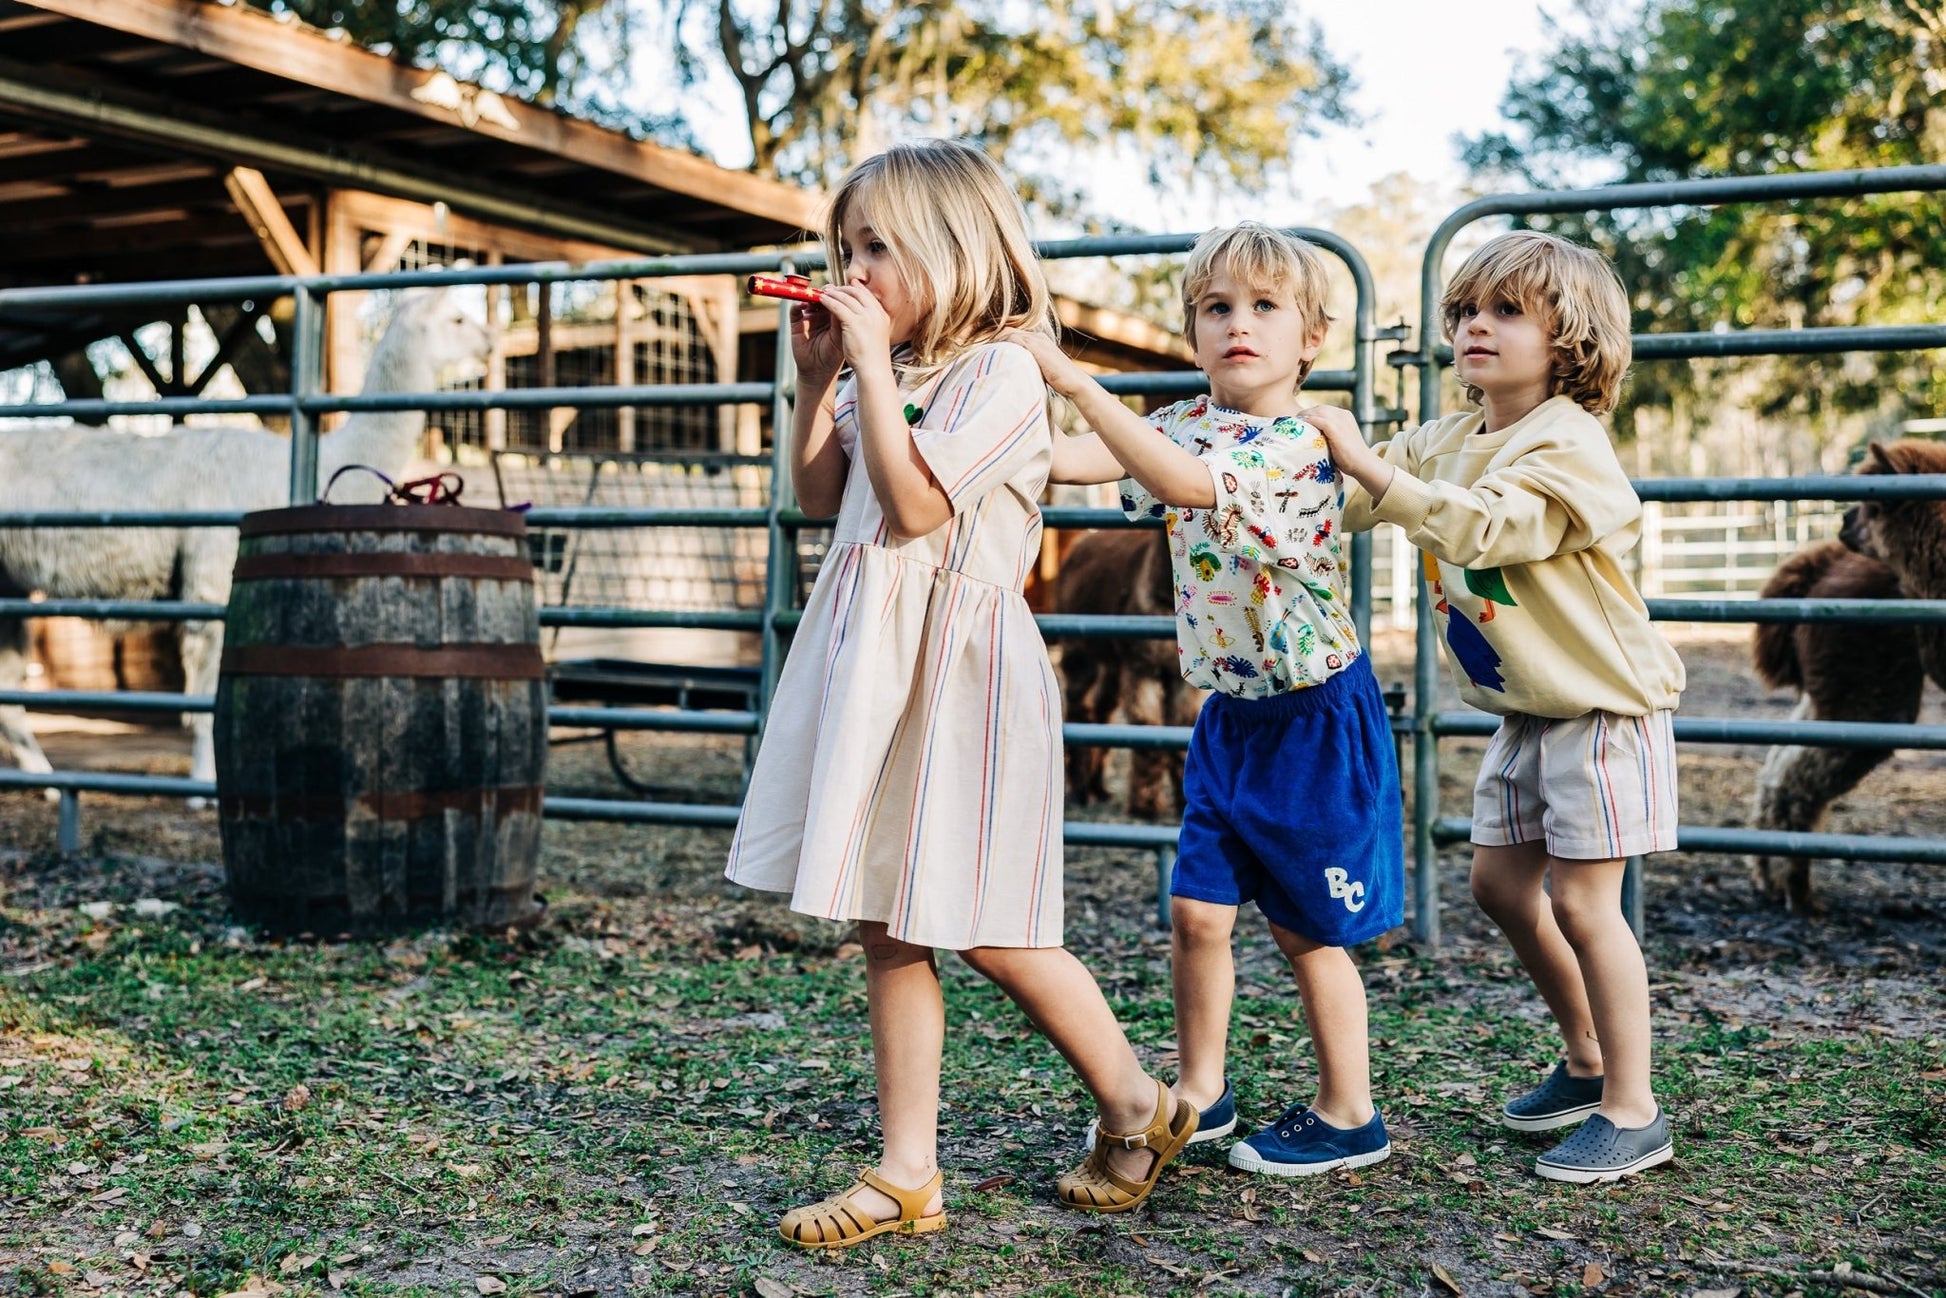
[(910, 767)]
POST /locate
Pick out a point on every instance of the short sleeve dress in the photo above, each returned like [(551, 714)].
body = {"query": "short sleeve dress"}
[(909, 771)]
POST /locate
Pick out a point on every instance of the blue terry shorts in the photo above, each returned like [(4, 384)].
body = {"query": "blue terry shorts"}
[(1293, 802)]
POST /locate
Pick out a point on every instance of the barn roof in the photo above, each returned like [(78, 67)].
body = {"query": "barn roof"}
[(119, 120)]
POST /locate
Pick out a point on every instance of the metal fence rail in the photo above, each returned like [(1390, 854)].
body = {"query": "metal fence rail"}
[(306, 402)]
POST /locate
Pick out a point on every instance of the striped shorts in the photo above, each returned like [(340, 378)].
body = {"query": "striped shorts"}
[(1595, 787)]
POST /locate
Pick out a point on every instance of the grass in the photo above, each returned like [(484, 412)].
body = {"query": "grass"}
[(626, 1101)]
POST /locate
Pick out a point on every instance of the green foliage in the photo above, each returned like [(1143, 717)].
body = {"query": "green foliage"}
[(1214, 91), (1701, 88), (1205, 92)]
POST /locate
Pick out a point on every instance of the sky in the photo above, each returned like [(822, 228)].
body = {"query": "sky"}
[(1428, 70)]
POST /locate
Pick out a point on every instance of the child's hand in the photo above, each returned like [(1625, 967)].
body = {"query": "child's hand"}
[(815, 346), (864, 330), (1348, 449), (1061, 373)]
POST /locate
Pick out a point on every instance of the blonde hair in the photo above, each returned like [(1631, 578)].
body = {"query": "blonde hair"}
[(1268, 261), (955, 230), (1573, 290)]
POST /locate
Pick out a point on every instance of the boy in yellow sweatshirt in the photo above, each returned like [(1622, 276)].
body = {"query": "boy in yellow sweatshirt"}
[(1523, 516)]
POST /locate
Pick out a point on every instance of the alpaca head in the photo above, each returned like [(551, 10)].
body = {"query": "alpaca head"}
[(1908, 536), (431, 331)]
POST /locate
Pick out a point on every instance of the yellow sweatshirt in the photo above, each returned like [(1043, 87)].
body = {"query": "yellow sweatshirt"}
[(1522, 533)]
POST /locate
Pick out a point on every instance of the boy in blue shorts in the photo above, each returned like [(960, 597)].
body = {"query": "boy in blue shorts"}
[(1291, 788)]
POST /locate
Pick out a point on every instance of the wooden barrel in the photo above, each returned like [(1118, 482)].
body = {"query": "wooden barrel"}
[(381, 719)]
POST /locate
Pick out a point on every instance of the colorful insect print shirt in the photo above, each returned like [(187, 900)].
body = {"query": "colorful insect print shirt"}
[(1262, 586)]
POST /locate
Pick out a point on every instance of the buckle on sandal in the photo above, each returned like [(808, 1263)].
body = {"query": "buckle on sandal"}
[(1140, 1140)]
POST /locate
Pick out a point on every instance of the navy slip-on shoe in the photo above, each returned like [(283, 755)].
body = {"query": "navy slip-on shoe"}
[(1300, 1143)]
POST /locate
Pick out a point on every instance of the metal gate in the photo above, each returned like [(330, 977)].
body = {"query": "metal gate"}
[(779, 520)]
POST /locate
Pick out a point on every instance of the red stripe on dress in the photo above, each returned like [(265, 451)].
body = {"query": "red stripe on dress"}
[(915, 823), (996, 678)]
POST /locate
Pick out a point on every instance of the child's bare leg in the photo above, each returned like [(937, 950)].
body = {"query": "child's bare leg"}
[(1333, 997), (1063, 1000), (1202, 972), (1507, 884), (908, 1032), (1587, 898)]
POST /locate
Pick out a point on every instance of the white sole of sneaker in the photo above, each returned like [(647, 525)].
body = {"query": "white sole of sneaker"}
[(1590, 1176), (1565, 1118), (1246, 1159)]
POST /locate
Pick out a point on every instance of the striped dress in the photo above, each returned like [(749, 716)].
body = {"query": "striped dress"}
[(909, 772)]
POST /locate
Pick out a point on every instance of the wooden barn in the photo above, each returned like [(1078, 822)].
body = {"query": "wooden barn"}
[(144, 139)]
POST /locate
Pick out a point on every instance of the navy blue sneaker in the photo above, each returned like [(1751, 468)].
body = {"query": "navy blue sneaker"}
[(1213, 1123), (1300, 1143)]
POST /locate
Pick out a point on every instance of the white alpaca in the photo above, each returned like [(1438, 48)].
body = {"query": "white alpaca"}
[(79, 468)]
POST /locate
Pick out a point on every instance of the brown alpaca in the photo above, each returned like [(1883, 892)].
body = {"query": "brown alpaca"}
[(1849, 671), (1126, 573)]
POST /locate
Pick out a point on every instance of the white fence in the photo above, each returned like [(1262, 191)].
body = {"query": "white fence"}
[(1723, 550)]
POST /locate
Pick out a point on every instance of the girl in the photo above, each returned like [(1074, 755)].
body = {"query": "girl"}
[(909, 775)]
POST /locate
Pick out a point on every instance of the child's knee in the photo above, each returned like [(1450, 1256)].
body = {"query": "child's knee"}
[(1493, 891), (1296, 947), (1582, 914), (1194, 924)]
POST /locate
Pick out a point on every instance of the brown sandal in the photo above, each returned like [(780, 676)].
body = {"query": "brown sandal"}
[(1094, 1187), (838, 1222)]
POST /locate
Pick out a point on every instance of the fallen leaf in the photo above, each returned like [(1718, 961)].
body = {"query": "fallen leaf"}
[(848, 951), (1552, 1233), (98, 1279), (489, 1284), (59, 1267), (1715, 1293), (769, 1288), (252, 984), (1312, 1255), (1445, 1277), (1467, 1160), (296, 1097), (1592, 1275), (138, 1260), (336, 1279), (191, 1230)]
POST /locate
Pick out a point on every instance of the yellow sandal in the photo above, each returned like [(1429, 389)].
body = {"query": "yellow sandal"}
[(1095, 1187), (838, 1222)]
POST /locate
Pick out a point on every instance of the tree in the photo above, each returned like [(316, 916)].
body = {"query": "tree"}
[(1212, 90), (1700, 88)]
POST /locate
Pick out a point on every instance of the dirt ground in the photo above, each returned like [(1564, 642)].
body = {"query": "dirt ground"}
[(1890, 917), (1723, 961)]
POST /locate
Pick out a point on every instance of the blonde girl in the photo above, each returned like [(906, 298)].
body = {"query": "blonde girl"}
[(909, 774)]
